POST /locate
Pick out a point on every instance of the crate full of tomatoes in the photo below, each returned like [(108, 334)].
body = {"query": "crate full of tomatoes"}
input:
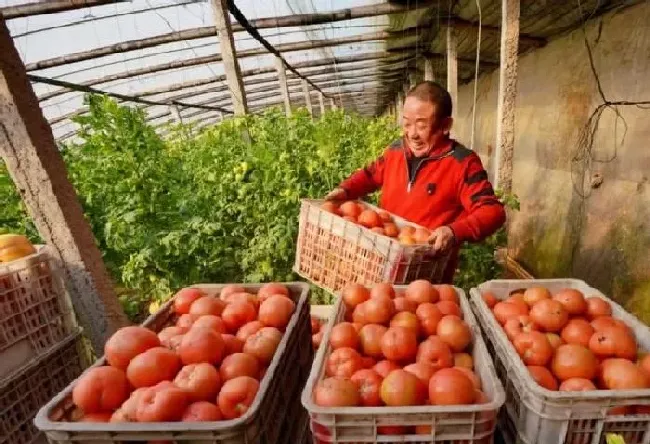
[(402, 364), (574, 363), (356, 242), (217, 364)]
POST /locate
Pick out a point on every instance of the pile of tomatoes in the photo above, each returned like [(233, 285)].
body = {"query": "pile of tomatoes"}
[(400, 349), (207, 367), (380, 222), (570, 342)]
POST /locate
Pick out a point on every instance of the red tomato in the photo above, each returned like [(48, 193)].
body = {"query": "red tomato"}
[(200, 381), (184, 299), (343, 362), (237, 395), (368, 383)]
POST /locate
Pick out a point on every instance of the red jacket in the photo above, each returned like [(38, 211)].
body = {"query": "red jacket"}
[(450, 187)]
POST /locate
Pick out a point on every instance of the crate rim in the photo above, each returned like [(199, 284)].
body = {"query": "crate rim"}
[(43, 423), (494, 405), (590, 395)]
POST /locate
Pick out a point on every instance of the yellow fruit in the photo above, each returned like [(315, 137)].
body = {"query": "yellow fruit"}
[(14, 246)]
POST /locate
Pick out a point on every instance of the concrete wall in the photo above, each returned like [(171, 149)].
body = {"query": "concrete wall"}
[(603, 237)]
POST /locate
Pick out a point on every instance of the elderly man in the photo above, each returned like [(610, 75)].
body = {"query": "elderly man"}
[(430, 179)]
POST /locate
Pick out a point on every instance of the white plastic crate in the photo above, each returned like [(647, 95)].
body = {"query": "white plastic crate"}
[(533, 414), (449, 424)]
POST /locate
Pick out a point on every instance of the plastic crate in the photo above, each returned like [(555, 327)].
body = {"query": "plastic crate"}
[(23, 394), (262, 423), (35, 311), (533, 414), (333, 252), (449, 424)]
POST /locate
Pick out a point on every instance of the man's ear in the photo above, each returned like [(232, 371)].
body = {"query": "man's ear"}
[(447, 123)]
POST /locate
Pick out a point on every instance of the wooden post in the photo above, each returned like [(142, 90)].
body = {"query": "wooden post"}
[(282, 79), (36, 166), (229, 57), (452, 68), (428, 69), (321, 100), (332, 103), (412, 80), (305, 91), (398, 108), (505, 139)]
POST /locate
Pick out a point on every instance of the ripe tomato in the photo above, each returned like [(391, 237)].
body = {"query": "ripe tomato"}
[(354, 295), (613, 342), (350, 209), (317, 339), (162, 404), (270, 289), (201, 345), (572, 300), (506, 310), (249, 329), (518, 300), (343, 362), (543, 377), (186, 321), (436, 352), (463, 360), (263, 344), (378, 310), (167, 333), (533, 295), (421, 291), (211, 322), (237, 395), (399, 344), (128, 342), (276, 311), (315, 324), (201, 382), (243, 297), (232, 344), (423, 370), (237, 314), (391, 229), (184, 298), (644, 363), (383, 368), (597, 307), (421, 235), (447, 293), (201, 411), (429, 316), (533, 348), (518, 324), (153, 366), (472, 376), (550, 315), (403, 304), (101, 389), (330, 207), (368, 362), (344, 335), (207, 305), (621, 374), (577, 385), (393, 430), (577, 331), (239, 364), (359, 314), (369, 219), (603, 322), (449, 308), (336, 392), (450, 386), (454, 332), (406, 320), (368, 383), (574, 361), (402, 388), (489, 298), (230, 289), (382, 290)]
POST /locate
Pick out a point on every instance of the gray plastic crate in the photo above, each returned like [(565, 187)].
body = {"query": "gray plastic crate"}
[(263, 423), (450, 424), (533, 414)]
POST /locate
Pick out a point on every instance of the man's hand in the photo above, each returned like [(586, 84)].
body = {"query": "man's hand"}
[(336, 194), (442, 239)]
